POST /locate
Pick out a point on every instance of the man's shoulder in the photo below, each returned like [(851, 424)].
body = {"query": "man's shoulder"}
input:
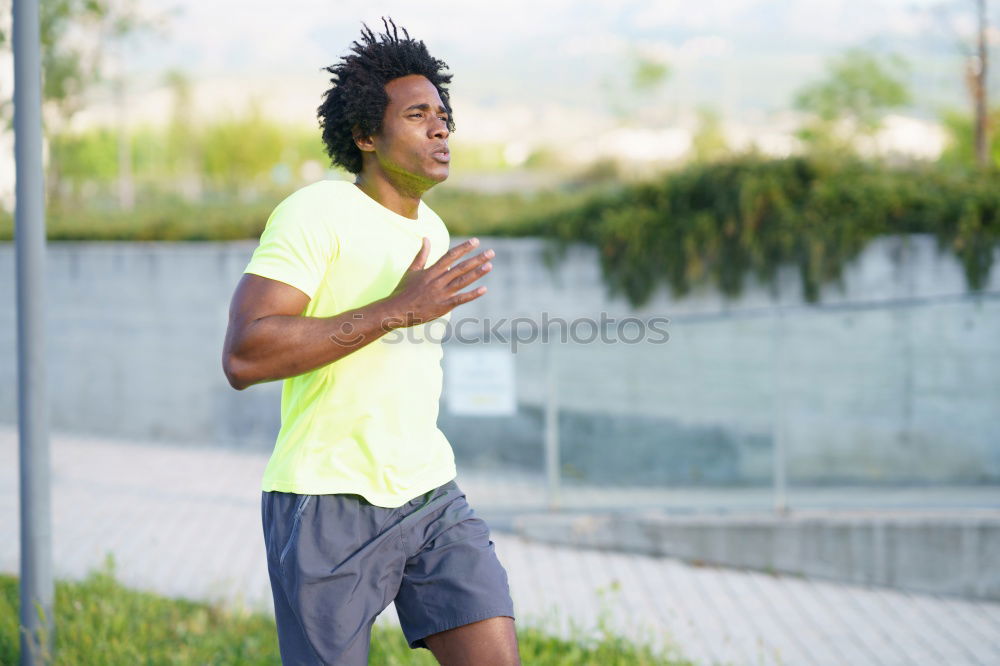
[(316, 205), (432, 215), (320, 193)]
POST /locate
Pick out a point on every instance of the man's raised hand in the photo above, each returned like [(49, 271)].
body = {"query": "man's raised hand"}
[(424, 294)]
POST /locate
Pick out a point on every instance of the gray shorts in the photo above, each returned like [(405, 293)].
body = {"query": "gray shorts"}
[(336, 561)]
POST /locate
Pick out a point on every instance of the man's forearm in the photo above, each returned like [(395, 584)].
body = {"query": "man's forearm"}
[(280, 346)]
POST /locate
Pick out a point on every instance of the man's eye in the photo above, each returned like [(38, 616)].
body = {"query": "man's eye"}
[(415, 115)]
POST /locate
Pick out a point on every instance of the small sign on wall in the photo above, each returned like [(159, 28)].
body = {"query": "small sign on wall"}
[(480, 381)]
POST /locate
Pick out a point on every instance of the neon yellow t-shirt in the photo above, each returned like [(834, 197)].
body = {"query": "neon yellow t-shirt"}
[(366, 423)]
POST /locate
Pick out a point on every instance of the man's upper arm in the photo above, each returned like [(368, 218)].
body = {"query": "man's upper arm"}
[(297, 247), (258, 296), (255, 297)]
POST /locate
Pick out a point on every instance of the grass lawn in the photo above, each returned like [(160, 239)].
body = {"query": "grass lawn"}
[(99, 622)]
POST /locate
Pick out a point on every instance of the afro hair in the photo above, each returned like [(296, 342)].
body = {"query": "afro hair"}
[(357, 96)]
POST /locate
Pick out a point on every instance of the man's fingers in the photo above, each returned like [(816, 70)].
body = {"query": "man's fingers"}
[(469, 264), (464, 297), (454, 253), (421, 258), (467, 276)]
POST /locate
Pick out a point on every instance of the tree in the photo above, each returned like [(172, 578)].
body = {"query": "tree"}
[(647, 75), (74, 35), (237, 152), (709, 140), (976, 70), (977, 85), (851, 101), (962, 149), (181, 155)]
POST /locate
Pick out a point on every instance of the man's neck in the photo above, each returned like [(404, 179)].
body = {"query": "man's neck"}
[(393, 197)]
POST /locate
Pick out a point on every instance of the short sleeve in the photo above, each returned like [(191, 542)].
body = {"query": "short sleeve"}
[(296, 247)]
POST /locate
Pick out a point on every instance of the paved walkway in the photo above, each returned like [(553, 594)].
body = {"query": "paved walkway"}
[(184, 522)]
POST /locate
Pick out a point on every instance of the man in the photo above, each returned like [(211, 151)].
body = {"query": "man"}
[(359, 503)]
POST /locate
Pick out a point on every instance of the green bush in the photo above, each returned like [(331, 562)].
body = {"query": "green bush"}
[(717, 223)]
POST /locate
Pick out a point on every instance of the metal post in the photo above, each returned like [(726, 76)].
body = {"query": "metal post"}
[(551, 429), (778, 472), (37, 590)]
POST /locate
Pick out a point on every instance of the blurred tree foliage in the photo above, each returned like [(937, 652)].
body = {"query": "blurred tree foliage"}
[(850, 102), (709, 140), (962, 148), (72, 64), (182, 156), (75, 39), (86, 156), (239, 149), (232, 157), (649, 74), (712, 224), (718, 223)]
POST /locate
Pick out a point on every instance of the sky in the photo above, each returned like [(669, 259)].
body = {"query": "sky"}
[(251, 35), (224, 36)]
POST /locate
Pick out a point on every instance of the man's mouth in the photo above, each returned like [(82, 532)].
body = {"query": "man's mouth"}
[(442, 154)]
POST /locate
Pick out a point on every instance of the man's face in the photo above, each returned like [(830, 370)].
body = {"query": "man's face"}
[(412, 145)]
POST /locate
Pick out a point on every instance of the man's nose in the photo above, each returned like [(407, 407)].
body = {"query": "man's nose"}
[(440, 130)]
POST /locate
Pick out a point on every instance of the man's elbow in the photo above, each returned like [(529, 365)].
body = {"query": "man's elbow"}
[(236, 372)]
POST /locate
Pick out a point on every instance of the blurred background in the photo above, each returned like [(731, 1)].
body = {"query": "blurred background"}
[(808, 191)]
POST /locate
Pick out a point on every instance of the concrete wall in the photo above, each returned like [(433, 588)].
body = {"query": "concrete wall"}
[(929, 552), (895, 380)]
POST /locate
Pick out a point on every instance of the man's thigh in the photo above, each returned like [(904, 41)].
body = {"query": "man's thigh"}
[(453, 577), (333, 569)]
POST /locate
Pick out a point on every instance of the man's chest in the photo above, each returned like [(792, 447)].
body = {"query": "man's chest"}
[(372, 259)]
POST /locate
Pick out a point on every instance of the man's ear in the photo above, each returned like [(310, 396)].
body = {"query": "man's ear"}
[(364, 143)]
